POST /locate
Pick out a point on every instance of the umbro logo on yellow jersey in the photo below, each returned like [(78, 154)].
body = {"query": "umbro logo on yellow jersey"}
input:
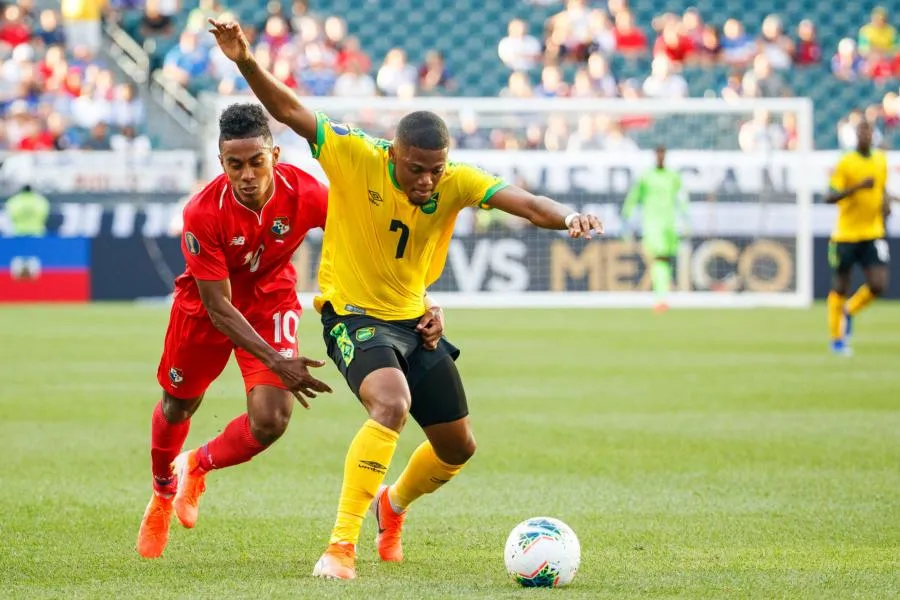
[(375, 198)]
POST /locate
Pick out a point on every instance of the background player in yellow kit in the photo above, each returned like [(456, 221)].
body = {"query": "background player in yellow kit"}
[(392, 207), (858, 188)]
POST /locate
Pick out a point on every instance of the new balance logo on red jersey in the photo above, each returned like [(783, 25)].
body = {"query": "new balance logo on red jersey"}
[(238, 241)]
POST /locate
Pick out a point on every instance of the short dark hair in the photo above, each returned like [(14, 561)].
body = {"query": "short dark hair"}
[(423, 129), (242, 121)]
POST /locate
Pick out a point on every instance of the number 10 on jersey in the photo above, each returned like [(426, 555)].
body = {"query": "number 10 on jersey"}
[(286, 326)]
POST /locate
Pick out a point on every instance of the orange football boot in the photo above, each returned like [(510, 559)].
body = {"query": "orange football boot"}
[(191, 485), (154, 532), (338, 562), (390, 548)]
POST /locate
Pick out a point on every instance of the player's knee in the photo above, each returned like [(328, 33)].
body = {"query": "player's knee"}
[(460, 453), (390, 411), (267, 428), (876, 286), (176, 410)]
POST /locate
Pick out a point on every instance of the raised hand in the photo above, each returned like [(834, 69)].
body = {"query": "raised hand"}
[(231, 40)]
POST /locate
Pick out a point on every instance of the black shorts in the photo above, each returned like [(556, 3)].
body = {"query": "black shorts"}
[(869, 253), (360, 344)]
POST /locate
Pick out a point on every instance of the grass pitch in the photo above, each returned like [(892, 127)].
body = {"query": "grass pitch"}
[(697, 454)]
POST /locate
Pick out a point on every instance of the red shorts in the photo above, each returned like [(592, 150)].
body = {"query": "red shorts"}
[(195, 352)]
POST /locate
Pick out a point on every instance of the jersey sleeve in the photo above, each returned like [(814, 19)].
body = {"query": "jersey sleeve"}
[(476, 186), (339, 148), (838, 180), (202, 247)]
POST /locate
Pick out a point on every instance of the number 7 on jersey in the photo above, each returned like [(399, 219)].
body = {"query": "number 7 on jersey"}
[(397, 225)]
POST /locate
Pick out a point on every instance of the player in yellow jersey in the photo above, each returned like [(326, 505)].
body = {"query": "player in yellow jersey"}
[(392, 207), (858, 188)]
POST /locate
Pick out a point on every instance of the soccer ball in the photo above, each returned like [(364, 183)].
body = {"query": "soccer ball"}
[(542, 552)]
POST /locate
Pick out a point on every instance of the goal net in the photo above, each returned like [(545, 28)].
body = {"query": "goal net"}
[(745, 166)]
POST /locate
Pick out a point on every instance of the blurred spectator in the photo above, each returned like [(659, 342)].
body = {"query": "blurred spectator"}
[(275, 34), (615, 139), (126, 108), (570, 31), (710, 50), (13, 30), (35, 137), (760, 134), (602, 80), (552, 84), (154, 24), (672, 44), (734, 87), (81, 19), (878, 34), (197, 18), (395, 73), (355, 82), (518, 86), (846, 64), (890, 110), (98, 138), (847, 127), (692, 26), (49, 32), (879, 66), (130, 142), (789, 126), (317, 78), (471, 137), (351, 55), (808, 50), (777, 47), (434, 76), (603, 35), (737, 47), (557, 134), (662, 82), (335, 34), (186, 60), (586, 136), (582, 86), (766, 82), (630, 40)]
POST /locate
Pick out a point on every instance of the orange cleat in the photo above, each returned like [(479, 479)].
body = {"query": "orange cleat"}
[(390, 548), (191, 485), (660, 307), (154, 532), (338, 562)]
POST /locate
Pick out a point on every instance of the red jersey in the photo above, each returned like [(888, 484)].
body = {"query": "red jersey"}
[(223, 239)]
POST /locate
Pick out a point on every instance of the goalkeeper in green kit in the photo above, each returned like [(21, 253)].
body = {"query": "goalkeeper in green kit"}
[(658, 192)]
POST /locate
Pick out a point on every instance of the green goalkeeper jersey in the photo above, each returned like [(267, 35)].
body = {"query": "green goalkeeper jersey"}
[(658, 192)]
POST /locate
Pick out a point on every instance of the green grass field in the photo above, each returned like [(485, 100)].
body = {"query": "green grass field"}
[(697, 455)]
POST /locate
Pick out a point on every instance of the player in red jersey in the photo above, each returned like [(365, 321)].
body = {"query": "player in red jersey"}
[(238, 293)]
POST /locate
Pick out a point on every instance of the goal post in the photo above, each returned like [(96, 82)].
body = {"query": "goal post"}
[(747, 241)]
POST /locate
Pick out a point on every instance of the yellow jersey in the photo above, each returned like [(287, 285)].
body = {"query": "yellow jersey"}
[(379, 251), (860, 216)]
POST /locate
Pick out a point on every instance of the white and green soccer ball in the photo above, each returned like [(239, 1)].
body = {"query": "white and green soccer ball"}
[(542, 552)]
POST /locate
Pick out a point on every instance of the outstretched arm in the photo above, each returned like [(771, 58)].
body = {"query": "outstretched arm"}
[(281, 102), (544, 212)]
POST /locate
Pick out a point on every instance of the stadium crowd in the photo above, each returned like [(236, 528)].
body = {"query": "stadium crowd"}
[(55, 92)]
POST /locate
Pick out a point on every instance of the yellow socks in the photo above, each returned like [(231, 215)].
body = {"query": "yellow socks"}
[(835, 314), (368, 459), (424, 473), (861, 299)]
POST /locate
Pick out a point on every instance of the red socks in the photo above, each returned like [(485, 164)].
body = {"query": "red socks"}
[(166, 441), (235, 445)]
